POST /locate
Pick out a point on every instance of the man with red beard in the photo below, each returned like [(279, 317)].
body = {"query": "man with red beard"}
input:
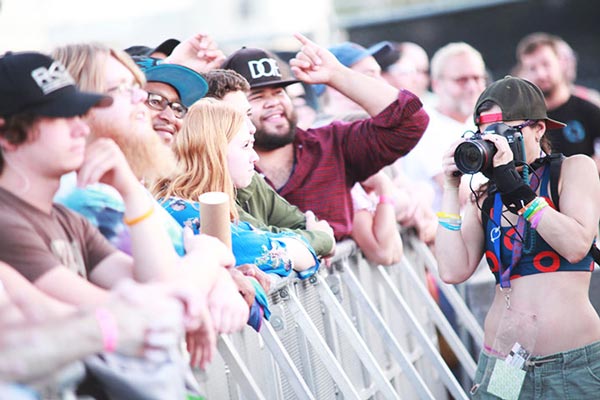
[(316, 168), (539, 62), (127, 122)]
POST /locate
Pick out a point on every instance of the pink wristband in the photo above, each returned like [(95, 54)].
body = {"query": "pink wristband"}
[(108, 328), (383, 199), (537, 217)]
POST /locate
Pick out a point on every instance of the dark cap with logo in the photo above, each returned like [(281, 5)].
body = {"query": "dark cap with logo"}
[(518, 99), (259, 67), (35, 83)]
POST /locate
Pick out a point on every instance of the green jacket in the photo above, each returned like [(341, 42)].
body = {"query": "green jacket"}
[(260, 205)]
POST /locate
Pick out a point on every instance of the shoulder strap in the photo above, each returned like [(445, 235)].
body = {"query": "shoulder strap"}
[(555, 165), (486, 206)]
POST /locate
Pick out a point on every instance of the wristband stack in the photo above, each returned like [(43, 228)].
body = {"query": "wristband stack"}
[(449, 221), (533, 211)]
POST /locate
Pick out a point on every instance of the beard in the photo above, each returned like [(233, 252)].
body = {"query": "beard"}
[(265, 141), (548, 91), (145, 152)]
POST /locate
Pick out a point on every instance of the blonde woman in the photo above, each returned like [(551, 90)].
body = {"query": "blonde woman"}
[(216, 153)]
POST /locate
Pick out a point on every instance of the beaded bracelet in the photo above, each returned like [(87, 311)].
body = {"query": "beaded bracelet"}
[(137, 220), (109, 329)]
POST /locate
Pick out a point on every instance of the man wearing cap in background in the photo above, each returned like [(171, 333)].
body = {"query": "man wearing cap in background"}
[(405, 66), (316, 168), (356, 57), (171, 90)]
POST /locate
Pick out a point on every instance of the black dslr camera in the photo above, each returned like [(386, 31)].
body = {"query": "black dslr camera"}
[(475, 155)]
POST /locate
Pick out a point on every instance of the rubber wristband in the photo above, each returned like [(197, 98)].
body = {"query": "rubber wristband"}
[(450, 226), (537, 217), (108, 328), (137, 220), (441, 214), (383, 199)]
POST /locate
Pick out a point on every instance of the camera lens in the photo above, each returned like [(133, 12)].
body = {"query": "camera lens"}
[(474, 156)]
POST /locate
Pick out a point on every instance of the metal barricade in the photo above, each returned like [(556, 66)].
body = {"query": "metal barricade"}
[(353, 331)]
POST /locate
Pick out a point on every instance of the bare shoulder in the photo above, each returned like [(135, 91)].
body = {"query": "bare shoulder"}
[(578, 180), (579, 168)]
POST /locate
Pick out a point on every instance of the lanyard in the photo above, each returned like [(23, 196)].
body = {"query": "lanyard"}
[(517, 251)]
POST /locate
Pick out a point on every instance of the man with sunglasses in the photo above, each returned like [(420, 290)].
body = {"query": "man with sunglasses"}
[(171, 90)]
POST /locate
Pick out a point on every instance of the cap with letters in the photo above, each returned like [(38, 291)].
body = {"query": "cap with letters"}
[(34, 83), (259, 67)]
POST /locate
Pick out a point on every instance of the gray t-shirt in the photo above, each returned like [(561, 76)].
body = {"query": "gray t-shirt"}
[(34, 242)]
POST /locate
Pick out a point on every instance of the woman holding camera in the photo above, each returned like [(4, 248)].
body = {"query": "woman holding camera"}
[(535, 223)]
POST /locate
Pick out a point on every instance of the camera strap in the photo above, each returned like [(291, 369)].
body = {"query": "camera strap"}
[(519, 236), (517, 250)]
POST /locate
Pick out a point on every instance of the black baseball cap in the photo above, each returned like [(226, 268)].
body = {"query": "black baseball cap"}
[(165, 48), (32, 82), (518, 99), (259, 67)]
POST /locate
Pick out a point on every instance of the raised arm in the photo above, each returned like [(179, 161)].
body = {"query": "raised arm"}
[(151, 246), (315, 64), (458, 251), (571, 230)]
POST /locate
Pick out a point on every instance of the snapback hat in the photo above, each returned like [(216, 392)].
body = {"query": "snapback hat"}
[(349, 53), (165, 48), (385, 53), (518, 99), (32, 82), (259, 67), (189, 84)]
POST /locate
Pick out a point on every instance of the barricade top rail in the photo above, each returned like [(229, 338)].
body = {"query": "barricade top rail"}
[(344, 249)]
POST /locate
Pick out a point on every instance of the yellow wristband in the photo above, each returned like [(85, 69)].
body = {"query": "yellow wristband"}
[(442, 214), (136, 220)]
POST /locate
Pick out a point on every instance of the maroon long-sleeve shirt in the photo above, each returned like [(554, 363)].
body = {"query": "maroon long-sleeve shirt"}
[(332, 158)]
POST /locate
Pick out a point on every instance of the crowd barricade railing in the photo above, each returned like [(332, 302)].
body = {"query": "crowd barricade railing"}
[(457, 302), (353, 331), (416, 322)]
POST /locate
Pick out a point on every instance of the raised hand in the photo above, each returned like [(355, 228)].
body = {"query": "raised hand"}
[(200, 53), (313, 63), (104, 162)]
